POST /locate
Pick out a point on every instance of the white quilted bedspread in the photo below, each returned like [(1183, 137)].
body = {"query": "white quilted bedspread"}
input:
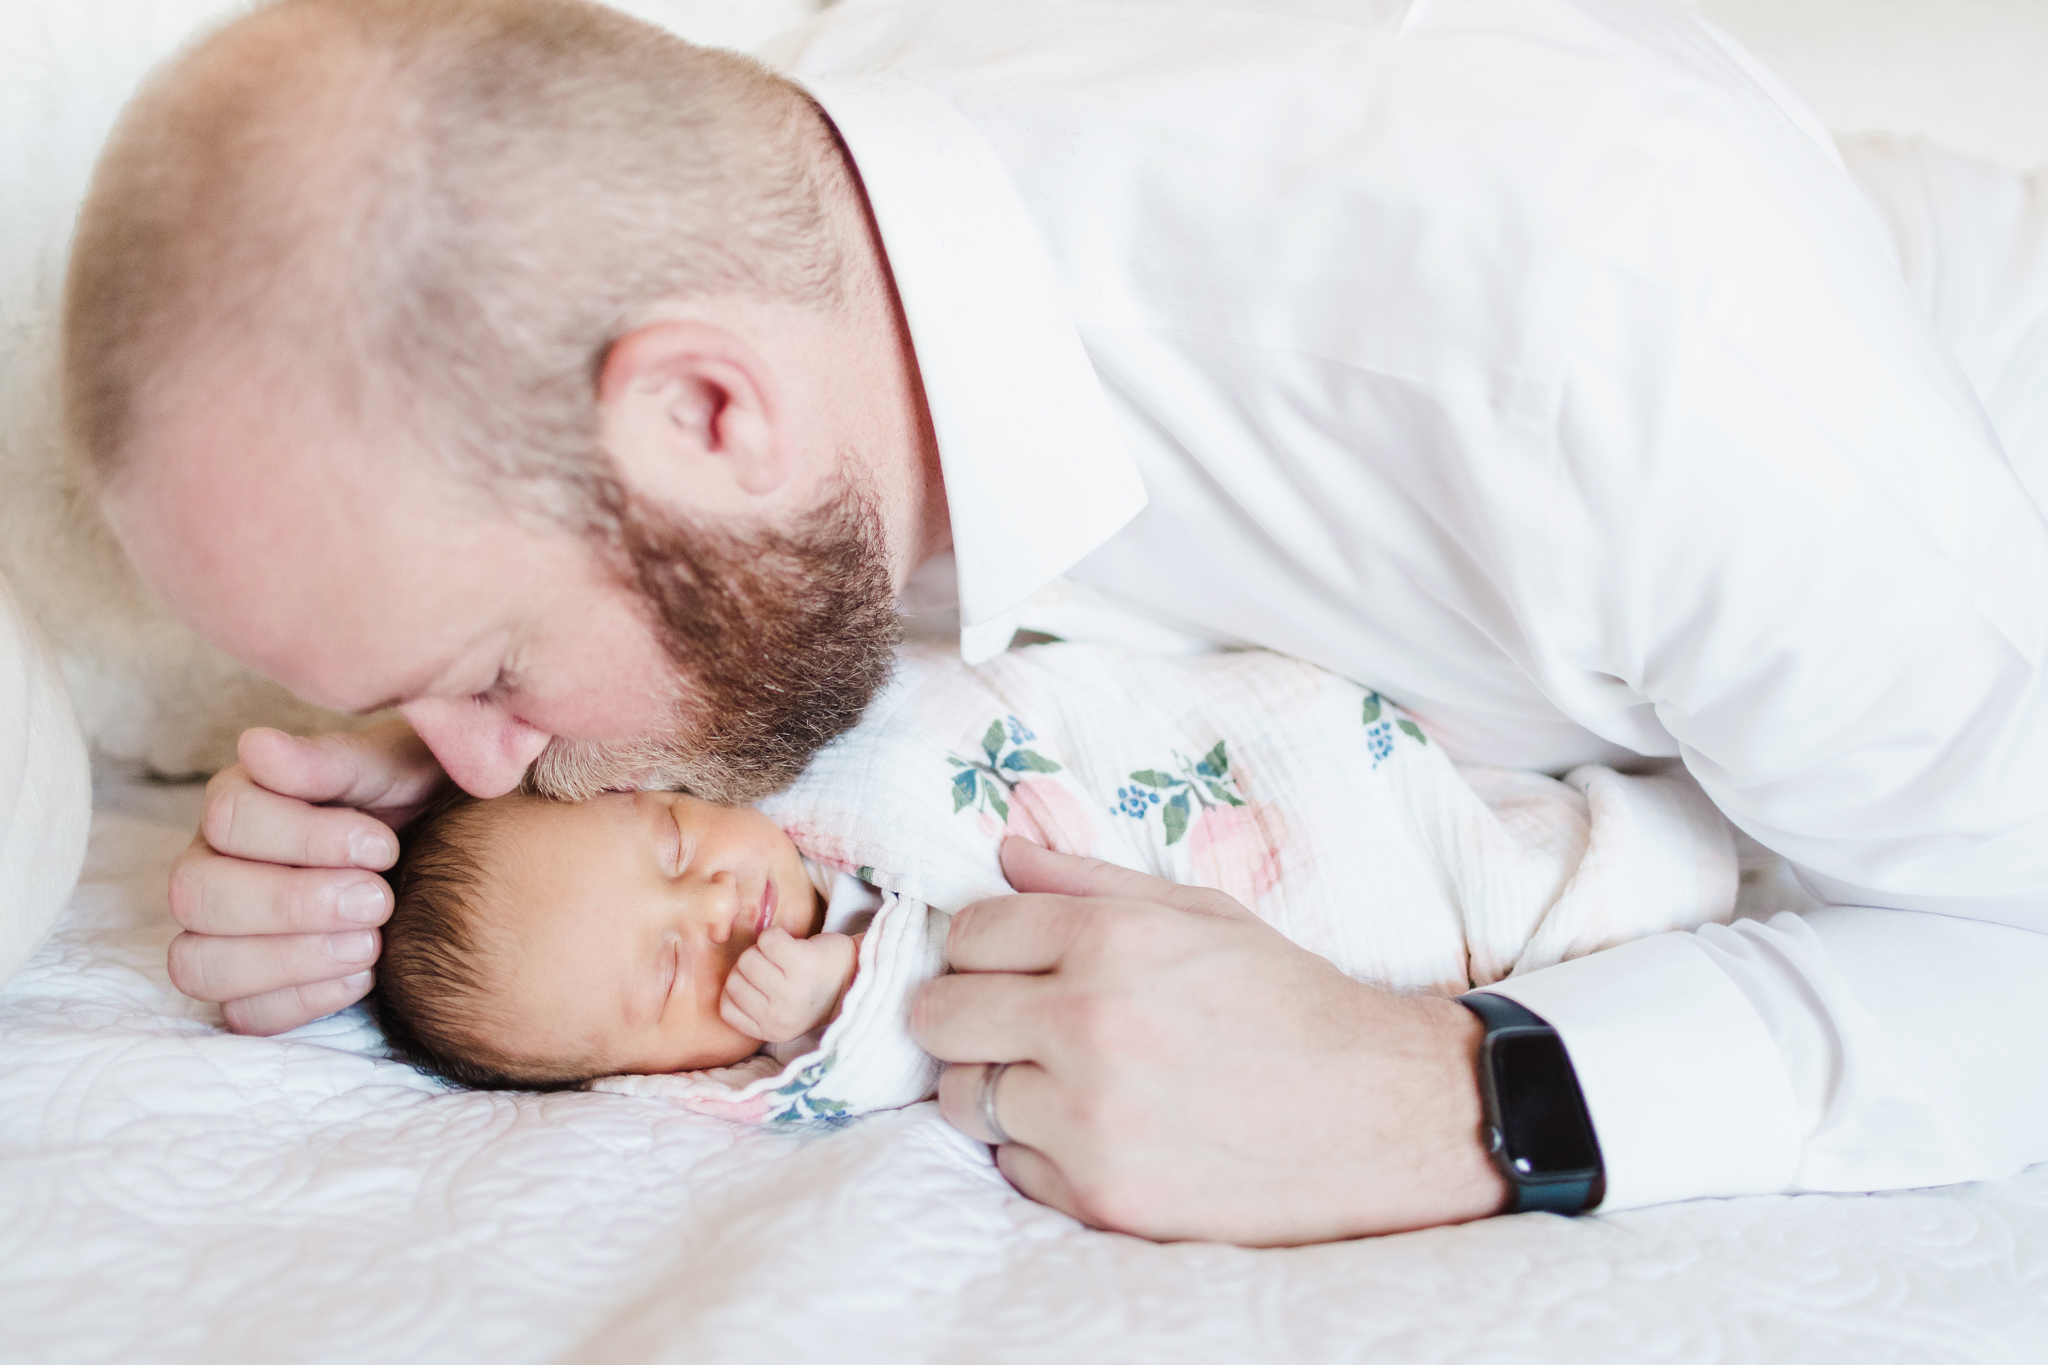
[(171, 1193)]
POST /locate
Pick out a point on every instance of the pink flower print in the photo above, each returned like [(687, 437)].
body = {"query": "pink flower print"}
[(823, 846), (1236, 850), (753, 1109), (992, 784), (1050, 816)]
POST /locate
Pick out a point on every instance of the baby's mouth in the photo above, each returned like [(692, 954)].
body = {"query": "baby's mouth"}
[(765, 916)]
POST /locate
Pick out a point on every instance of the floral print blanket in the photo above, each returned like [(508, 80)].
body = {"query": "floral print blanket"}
[(1313, 801)]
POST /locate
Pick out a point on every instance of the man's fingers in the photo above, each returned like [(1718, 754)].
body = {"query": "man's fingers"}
[(235, 969), (1020, 1099), (243, 820), (1020, 933), (1037, 1177), (213, 894), (281, 1011), (993, 1017), (1031, 868), (385, 765)]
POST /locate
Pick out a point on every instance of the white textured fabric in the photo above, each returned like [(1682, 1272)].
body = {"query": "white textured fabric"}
[(1910, 1062), (45, 790), (1304, 797), (172, 1194), (1540, 364)]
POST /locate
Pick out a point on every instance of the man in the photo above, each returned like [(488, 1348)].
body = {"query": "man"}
[(588, 397)]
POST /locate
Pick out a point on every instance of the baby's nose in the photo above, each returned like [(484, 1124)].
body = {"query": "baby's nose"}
[(723, 911)]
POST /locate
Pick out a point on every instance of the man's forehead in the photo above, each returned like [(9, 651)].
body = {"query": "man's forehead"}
[(321, 560)]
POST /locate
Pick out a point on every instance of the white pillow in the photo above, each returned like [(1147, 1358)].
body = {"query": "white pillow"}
[(1967, 73), (45, 790)]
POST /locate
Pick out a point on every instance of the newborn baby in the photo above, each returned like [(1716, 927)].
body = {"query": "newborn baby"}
[(537, 944), (659, 942)]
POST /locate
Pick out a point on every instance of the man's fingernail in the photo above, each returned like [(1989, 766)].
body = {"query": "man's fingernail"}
[(359, 982), (352, 945), (362, 903), (367, 848)]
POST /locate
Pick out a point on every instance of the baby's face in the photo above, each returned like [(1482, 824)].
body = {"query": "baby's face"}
[(608, 926)]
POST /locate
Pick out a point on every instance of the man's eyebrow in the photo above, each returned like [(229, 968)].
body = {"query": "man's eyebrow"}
[(437, 675)]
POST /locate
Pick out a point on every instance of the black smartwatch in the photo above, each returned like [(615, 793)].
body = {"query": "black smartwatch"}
[(1537, 1127)]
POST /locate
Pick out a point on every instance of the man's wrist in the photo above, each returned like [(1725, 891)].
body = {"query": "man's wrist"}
[(1472, 1182), (1537, 1127)]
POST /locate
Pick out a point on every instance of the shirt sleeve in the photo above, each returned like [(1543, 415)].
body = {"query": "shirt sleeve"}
[(1795, 546), (1847, 1049)]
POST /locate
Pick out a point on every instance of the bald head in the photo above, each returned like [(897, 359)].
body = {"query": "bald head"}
[(434, 217)]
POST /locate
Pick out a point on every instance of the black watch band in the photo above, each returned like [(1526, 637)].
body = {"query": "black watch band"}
[(1537, 1126)]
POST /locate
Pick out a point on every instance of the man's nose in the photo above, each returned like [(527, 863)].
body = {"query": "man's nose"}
[(484, 748)]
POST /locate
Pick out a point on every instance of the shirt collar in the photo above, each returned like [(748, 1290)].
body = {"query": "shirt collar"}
[(1036, 475)]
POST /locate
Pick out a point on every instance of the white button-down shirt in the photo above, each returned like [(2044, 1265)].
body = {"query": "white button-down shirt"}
[(1538, 363)]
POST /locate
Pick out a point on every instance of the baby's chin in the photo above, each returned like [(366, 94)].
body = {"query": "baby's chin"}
[(727, 1051), (550, 1065), (731, 1057)]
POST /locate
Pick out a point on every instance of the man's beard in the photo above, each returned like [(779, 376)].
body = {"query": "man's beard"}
[(778, 644)]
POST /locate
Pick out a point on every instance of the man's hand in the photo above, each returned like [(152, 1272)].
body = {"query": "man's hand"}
[(279, 894), (785, 986), (1185, 1072)]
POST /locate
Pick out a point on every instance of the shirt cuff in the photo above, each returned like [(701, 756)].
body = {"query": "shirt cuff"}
[(1687, 1091)]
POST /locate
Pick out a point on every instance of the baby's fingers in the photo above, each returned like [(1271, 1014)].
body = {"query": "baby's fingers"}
[(780, 947), (759, 970), (743, 1006)]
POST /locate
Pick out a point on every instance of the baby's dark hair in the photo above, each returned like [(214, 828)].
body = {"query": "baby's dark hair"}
[(430, 976)]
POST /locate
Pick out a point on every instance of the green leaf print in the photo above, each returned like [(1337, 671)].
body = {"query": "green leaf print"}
[(992, 741), (1217, 790), (1152, 777), (1372, 708), (995, 798), (1413, 731), (1029, 761), (963, 788), (1175, 814), (1215, 763)]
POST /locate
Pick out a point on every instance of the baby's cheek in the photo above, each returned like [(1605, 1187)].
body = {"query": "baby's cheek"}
[(701, 1039)]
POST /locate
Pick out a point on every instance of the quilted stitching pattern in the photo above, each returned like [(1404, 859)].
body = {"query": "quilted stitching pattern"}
[(171, 1193)]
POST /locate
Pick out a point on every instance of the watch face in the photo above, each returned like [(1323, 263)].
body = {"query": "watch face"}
[(1541, 1115)]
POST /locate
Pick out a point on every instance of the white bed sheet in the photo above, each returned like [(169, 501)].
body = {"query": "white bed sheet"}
[(169, 1192)]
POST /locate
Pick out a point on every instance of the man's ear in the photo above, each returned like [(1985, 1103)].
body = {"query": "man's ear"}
[(692, 416)]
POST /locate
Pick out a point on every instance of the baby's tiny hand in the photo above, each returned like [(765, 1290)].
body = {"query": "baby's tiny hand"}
[(785, 986)]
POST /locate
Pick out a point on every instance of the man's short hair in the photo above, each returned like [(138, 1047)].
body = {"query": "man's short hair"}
[(442, 212)]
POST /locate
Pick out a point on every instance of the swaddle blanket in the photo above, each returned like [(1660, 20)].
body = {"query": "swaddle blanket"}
[(1311, 800)]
